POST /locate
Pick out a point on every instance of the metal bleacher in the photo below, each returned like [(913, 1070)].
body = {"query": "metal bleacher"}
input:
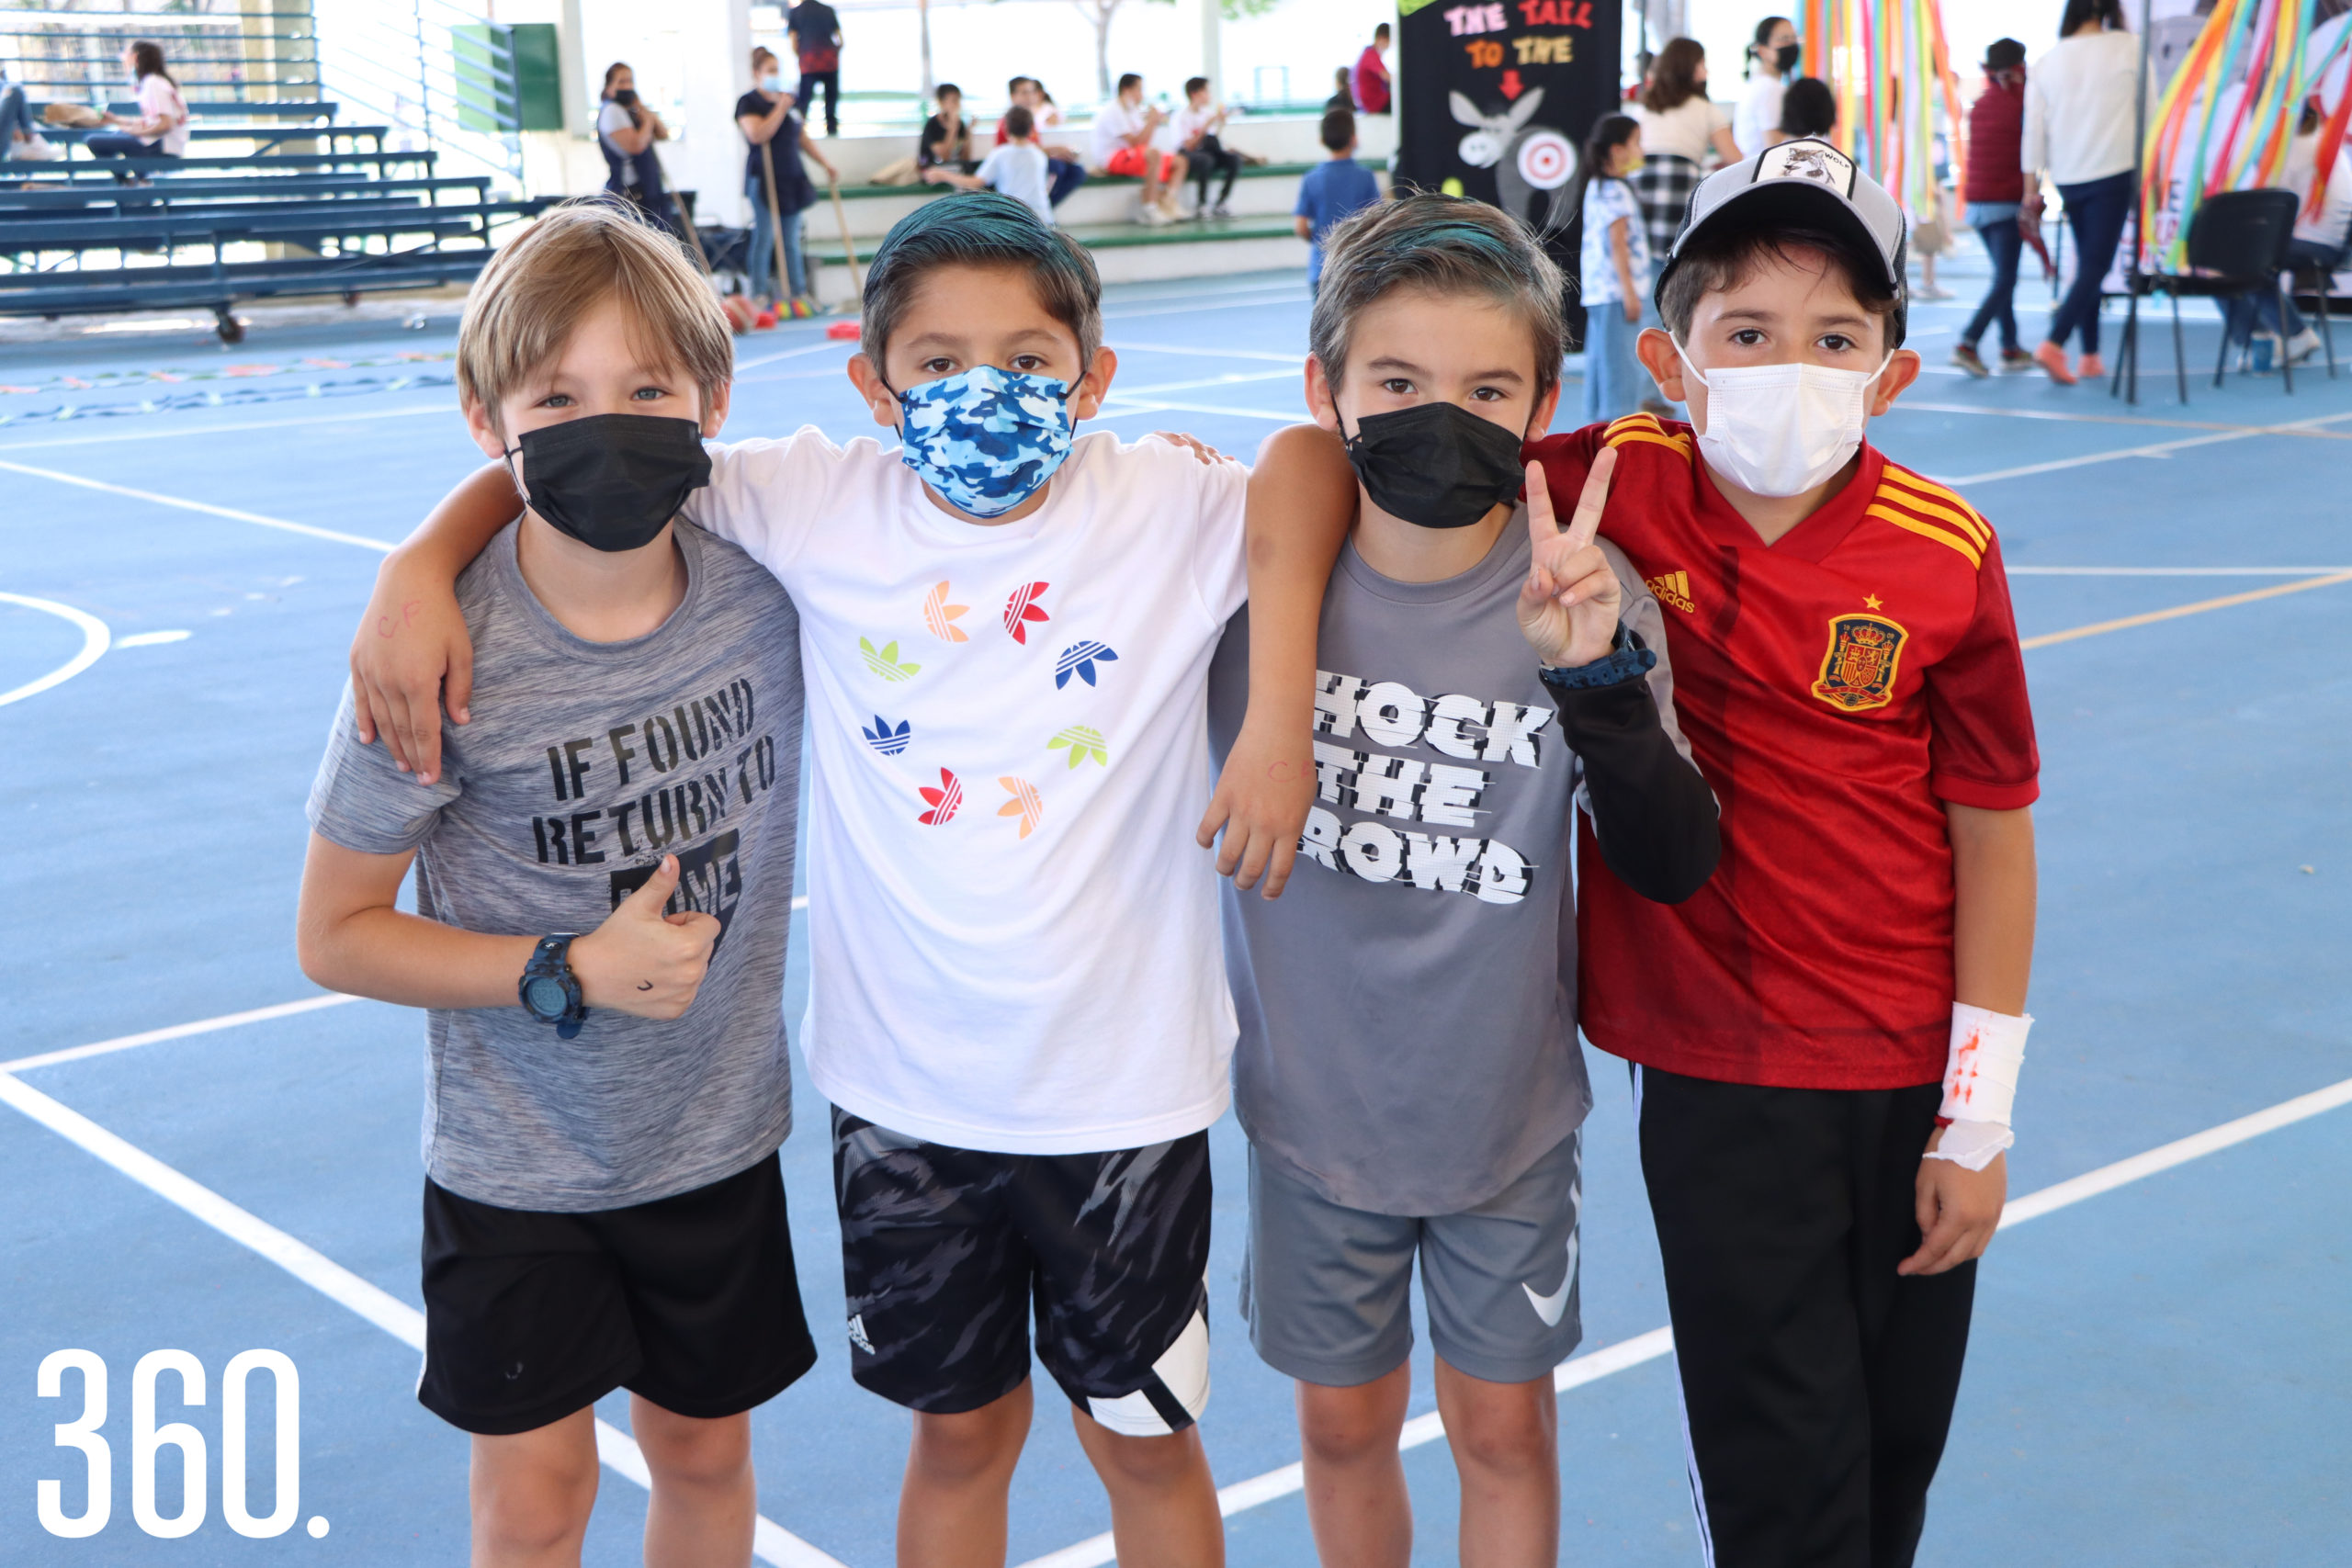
[(278, 195), (207, 231)]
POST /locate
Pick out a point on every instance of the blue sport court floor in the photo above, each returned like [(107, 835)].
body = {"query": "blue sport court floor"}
[(200, 1152)]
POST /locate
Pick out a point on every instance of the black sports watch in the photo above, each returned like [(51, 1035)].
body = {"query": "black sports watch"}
[(550, 991)]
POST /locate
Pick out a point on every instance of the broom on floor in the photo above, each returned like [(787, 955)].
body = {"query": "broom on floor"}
[(847, 328)]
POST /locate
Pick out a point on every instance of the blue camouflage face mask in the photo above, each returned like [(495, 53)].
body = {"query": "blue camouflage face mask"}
[(986, 440)]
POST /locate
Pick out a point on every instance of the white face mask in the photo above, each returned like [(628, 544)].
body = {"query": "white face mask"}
[(1782, 429)]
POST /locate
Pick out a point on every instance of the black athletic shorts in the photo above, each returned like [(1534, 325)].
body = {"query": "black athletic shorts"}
[(691, 1300), (945, 1252)]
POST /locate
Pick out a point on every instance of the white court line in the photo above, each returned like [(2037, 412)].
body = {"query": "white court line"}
[(1573, 1373), (1211, 305), (2158, 449), (1213, 289), (1216, 352), (2171, 570), (1577, 1371), (1163, 405), (1231, 379), (177, 1031), (95, 638), (771, 1541), (818, 347), (207, 508), (224, 429)]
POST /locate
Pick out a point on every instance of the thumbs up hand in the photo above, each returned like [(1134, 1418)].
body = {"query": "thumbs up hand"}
[(641, 961), (1567, 610)]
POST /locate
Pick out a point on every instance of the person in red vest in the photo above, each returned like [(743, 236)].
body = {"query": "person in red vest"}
[(1370, 78), (1996, 193)]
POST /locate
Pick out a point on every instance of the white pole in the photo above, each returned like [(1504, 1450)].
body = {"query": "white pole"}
[(1213, 46)]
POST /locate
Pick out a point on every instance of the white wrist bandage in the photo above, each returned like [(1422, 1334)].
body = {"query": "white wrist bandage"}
[(1980, 1083)]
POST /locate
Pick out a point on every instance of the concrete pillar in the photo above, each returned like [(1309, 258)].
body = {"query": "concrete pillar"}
[(1212, 46), (705, 154)]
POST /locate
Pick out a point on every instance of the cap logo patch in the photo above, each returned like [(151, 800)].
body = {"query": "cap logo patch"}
[(1807, 160)]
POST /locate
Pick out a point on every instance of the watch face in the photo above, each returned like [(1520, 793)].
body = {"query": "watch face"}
[(544, 997)]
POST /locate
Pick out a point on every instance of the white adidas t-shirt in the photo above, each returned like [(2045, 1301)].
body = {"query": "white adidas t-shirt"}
[(1012, 936)]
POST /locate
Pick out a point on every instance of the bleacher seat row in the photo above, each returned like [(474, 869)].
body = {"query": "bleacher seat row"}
[(209, 231)]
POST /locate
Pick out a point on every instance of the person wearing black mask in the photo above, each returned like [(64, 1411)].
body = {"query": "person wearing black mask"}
[(1407, 1069), (1771, 60), (602, 898), (625, 132)]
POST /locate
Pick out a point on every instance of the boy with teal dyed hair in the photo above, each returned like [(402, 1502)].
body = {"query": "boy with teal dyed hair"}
[(1409, 1071), (1006, 629), (1826, 1036)]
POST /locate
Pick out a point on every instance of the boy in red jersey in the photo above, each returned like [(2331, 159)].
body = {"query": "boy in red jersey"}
[(1827, 1034)]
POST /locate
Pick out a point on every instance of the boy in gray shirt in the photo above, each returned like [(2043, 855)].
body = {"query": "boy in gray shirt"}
[(603, 1204), (1407, 1069)]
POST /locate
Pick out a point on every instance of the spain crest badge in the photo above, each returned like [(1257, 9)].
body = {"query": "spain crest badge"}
[(1857, 672)]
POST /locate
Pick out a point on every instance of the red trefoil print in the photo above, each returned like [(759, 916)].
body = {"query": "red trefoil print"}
[(1022, 610), (943, 801)]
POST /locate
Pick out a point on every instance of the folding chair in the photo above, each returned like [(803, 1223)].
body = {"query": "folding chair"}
[(2238, 242)]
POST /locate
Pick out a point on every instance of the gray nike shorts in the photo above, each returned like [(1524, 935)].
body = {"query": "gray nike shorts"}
[(1326, 1287)]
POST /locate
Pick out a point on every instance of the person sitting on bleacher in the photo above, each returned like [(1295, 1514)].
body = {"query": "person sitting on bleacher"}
[(16, 118), (1065, 167), (625, 132), (160, 129)]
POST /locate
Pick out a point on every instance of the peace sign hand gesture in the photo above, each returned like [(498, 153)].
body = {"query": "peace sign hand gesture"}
[(1568, 609)]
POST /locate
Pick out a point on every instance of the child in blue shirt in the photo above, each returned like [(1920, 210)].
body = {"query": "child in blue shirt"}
[(1614, 266), (1331, 190)]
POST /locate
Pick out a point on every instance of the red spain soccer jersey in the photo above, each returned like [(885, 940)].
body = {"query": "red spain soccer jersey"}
[(1837, 687)]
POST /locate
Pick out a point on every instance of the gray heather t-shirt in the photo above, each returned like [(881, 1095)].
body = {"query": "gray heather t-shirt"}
[(1408, 1007), (584, 764)]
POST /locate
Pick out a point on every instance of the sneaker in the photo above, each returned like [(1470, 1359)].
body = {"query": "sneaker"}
[(1964, 355), (1931, 291), (2014, 359), (2053, 358), (1225, 210), (2092, 368), (2301, 346), (1151, 216)]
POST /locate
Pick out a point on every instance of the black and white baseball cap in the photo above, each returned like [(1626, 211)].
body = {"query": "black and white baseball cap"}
[(1804, 184)]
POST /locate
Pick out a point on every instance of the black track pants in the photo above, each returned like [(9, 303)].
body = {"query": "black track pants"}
[(1818, 1384)]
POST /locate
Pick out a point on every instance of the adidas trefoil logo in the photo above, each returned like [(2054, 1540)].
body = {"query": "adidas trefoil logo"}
[(1673, 590), (857, 1332), (885, 661)]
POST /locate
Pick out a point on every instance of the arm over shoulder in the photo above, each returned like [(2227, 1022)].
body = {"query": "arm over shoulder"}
[(768, 496), (1214, 494), (362, 800)]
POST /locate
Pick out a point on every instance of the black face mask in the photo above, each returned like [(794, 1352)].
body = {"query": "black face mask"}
[(1437, 465), (1785, 58), (613, 480)]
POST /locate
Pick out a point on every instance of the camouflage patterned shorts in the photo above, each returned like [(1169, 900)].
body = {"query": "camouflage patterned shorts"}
[(945, 1252)]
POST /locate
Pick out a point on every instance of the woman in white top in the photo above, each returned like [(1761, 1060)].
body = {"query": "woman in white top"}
[(1682, 130), (2079, 127), (1770, 59), (160, 127)]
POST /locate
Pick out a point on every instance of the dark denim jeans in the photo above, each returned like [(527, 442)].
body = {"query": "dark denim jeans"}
[(2003, 241), (2260, 306), (2095, 210)]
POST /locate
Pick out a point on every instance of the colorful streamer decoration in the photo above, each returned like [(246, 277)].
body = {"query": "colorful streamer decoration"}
[(2226, 117), (1890, 69)]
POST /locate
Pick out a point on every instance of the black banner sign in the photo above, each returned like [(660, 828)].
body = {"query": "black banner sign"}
[(1495, 95)]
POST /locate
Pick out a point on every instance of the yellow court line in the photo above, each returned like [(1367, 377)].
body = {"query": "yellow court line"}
[(2122, 419), (2177, 611)]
